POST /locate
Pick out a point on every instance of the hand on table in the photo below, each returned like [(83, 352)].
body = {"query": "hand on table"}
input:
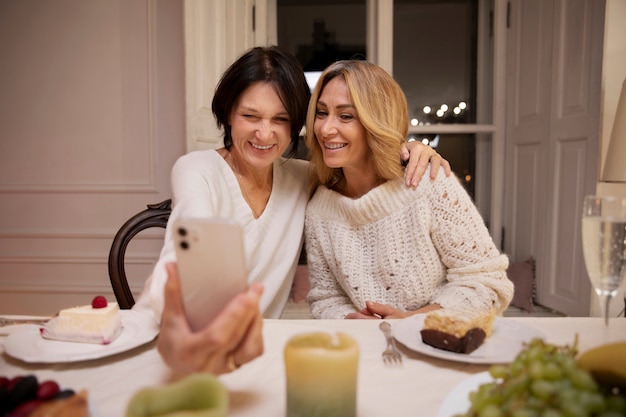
[(375, 310), (233, 338), (419, 155)]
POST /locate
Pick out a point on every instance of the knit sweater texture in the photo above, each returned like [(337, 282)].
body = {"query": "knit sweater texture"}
[(404, 247), (204, 185)]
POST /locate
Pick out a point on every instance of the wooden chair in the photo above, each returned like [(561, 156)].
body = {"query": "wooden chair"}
[(156, 215)]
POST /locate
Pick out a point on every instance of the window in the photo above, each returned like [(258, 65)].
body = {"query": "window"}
[(321, 32), (440, 51)]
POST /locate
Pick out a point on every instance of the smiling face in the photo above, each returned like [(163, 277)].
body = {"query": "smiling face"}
[(339, 133), (356, 125), (260, 126)]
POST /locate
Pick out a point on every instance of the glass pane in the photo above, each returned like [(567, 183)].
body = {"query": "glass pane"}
[(434, 58), (459, 150), (435, 62), (321, 32)]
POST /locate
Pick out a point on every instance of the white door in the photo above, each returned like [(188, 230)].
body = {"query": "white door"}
[(554, 60)]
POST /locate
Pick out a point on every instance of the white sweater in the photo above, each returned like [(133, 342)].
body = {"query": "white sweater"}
[(203, 185), (403, 247)]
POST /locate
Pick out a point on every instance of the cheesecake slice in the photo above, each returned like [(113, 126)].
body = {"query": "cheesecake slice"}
[(96, 323)]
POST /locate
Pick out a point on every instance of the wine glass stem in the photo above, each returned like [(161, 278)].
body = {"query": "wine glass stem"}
[(607, 302)]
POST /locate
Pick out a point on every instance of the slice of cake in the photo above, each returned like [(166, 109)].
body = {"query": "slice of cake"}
[(457, 330), (99, 323)]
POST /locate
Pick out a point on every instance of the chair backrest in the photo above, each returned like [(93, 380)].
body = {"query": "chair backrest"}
[(156, 215)]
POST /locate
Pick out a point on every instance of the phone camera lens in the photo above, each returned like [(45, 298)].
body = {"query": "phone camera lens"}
[(182, 231), (184, 244)]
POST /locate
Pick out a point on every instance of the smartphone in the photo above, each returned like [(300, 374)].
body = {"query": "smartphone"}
[(211, 266)]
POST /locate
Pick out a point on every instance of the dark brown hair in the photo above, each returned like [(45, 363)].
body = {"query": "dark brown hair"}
[(275, 66)]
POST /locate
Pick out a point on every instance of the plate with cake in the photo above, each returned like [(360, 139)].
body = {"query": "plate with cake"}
[(464, 336), (84, 332)]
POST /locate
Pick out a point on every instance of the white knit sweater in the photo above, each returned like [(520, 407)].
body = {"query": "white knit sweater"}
[(204, 185), (403, 247)]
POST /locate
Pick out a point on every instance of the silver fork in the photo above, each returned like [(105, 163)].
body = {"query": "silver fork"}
[(391, 356)]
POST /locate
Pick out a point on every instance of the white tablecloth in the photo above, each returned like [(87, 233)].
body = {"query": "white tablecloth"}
[(417, 388)]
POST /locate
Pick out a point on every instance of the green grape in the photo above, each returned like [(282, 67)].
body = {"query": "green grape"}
[(535, 353), (542, 389), (518, 383), (573, 409), (582, 380), (517, 367), (490, 410), (498, 371), (536, 403), (524, 412), (544, 380), (536, 369), (479, 399), (551, 412), (552, 371), (569, 395), (567, 363)]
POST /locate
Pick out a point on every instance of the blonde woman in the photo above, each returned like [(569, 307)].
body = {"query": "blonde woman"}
[(376, 248)]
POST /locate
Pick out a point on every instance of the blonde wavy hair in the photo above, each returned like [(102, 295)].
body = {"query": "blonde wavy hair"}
[(382, 110)]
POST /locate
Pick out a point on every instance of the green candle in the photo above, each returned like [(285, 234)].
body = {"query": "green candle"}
[(321, 371)]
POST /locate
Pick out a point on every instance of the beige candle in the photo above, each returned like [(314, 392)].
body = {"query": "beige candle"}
[(321, 371)]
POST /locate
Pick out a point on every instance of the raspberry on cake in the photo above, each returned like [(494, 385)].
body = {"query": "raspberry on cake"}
[(457, 330), (99, 322)]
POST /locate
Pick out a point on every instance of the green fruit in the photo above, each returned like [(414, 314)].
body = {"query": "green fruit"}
[(546, 380), (198, 395), (607, 364)]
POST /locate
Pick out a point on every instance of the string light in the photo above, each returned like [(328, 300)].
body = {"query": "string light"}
[(443, 114)]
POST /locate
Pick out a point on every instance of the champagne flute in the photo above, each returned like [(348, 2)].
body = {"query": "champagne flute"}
[(604, 245)]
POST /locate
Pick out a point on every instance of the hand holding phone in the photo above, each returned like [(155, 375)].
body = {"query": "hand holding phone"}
[(211, 265)]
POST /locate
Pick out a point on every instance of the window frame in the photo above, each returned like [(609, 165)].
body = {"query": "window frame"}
[(491, 73)]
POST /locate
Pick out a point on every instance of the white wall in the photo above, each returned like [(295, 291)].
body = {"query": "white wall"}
[(92, 119)]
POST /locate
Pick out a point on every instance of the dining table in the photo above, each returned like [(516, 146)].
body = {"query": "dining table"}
[(419, 386)]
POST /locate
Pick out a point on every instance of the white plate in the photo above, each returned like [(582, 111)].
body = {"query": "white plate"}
[(457, 401), (506, 341), (28, 345)]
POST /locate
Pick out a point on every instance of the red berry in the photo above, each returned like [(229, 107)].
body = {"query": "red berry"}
[(99, 302), (25, 408), (11, 384), (47, 390)]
